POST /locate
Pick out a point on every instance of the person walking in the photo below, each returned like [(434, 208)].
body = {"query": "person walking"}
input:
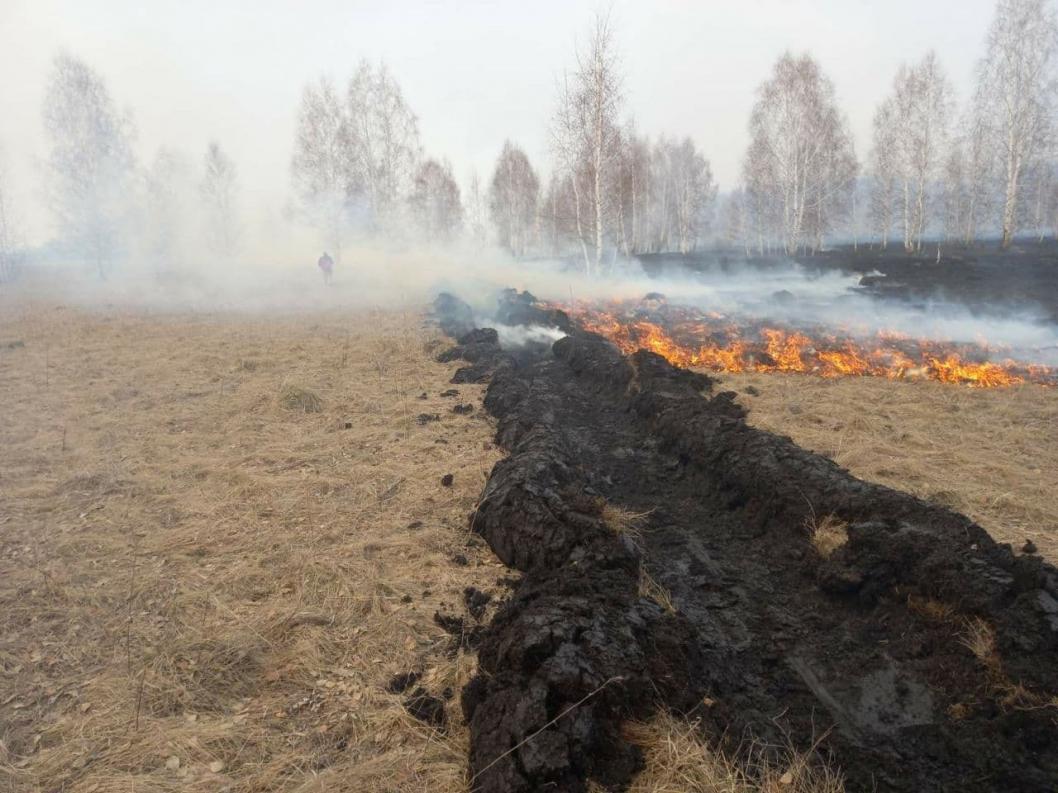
[(326, 265)]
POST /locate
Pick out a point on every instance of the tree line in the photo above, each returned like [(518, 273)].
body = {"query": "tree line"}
[(358, 166)]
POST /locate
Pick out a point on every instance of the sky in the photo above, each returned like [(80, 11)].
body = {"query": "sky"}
[(475, 73)]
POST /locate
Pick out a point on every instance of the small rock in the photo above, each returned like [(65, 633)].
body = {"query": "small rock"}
[(460, 560), (451, 392), (1029, 547), (406, 599), (447, 480), (476, 601), (751, 390), (172, 763), (347, 425), (423, 395), (462, 410), (426, 418), (415, 524), (216, 766)]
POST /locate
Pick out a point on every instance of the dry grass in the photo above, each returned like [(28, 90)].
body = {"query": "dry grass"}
[(827, 533), (650, 588), (294, 398), (930, 609), (624, 521), (980, 639), (989, 453), (678, 760), (204, 584)]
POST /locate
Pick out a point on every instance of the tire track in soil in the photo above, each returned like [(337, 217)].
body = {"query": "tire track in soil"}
[(768, 642)]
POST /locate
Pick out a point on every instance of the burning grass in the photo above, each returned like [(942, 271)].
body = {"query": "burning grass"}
[(207, 574), (690, 338)]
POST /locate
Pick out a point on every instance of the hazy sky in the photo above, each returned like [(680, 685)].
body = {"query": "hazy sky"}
[(474, 72)]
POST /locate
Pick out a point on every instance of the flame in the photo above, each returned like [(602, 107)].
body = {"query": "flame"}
[(714, 342)]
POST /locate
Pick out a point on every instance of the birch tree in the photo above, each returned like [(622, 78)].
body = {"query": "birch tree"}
[(90, 164), (514, 193), (320, 167), (911, 131), (219, 191), (799, 141), (476, 211), (435, 201), (8, 239), (586, 137), (384, 142), (168, 209), (1016, 94)]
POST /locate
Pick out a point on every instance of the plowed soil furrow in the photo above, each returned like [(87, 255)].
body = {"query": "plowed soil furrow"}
[(864, 650)]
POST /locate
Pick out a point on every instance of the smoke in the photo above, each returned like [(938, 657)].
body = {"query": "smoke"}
[(519, 336), (275, 271)]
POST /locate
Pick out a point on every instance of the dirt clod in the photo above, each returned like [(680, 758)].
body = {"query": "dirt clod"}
[(447, 480)]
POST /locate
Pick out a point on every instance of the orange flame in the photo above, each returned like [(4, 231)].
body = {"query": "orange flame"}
[(715, 343)]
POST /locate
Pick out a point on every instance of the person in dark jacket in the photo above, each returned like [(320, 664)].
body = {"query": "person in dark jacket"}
[(326, 265)]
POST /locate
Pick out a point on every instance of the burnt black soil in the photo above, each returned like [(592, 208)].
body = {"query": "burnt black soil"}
[(768, 640), (982, 276)]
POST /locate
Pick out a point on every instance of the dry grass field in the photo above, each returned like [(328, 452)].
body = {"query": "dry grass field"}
[(989, 453), (221, 535)]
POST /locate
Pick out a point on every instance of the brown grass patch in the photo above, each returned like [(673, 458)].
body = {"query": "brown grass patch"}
[(650, 588), (624, 521), (208, 574), (980, 639), (827, 533), (988, 453), (678, 760), (930, 609), (293, 397)]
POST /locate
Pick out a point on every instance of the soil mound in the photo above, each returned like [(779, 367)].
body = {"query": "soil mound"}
[(918, 652)]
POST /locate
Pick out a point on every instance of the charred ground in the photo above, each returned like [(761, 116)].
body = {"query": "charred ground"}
[(917, 651), (981, 276)]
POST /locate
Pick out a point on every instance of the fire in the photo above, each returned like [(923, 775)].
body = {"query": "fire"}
[(710, 341)]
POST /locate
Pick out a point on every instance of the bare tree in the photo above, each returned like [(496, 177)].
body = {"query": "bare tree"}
[(557, 216), (168, 208), (219, 189), (969, 179), (735, 220), (90, 163), (384, 141), (910, 136), (799, 145), (514, 193), (632, 190), (682, 196), (322, 161), (476, 211), (8, 235), (435, 200), (587, 137), (1016, 93)]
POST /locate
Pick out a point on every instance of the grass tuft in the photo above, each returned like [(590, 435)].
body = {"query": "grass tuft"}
[(300, 399), (679, 760), (828, 534)]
